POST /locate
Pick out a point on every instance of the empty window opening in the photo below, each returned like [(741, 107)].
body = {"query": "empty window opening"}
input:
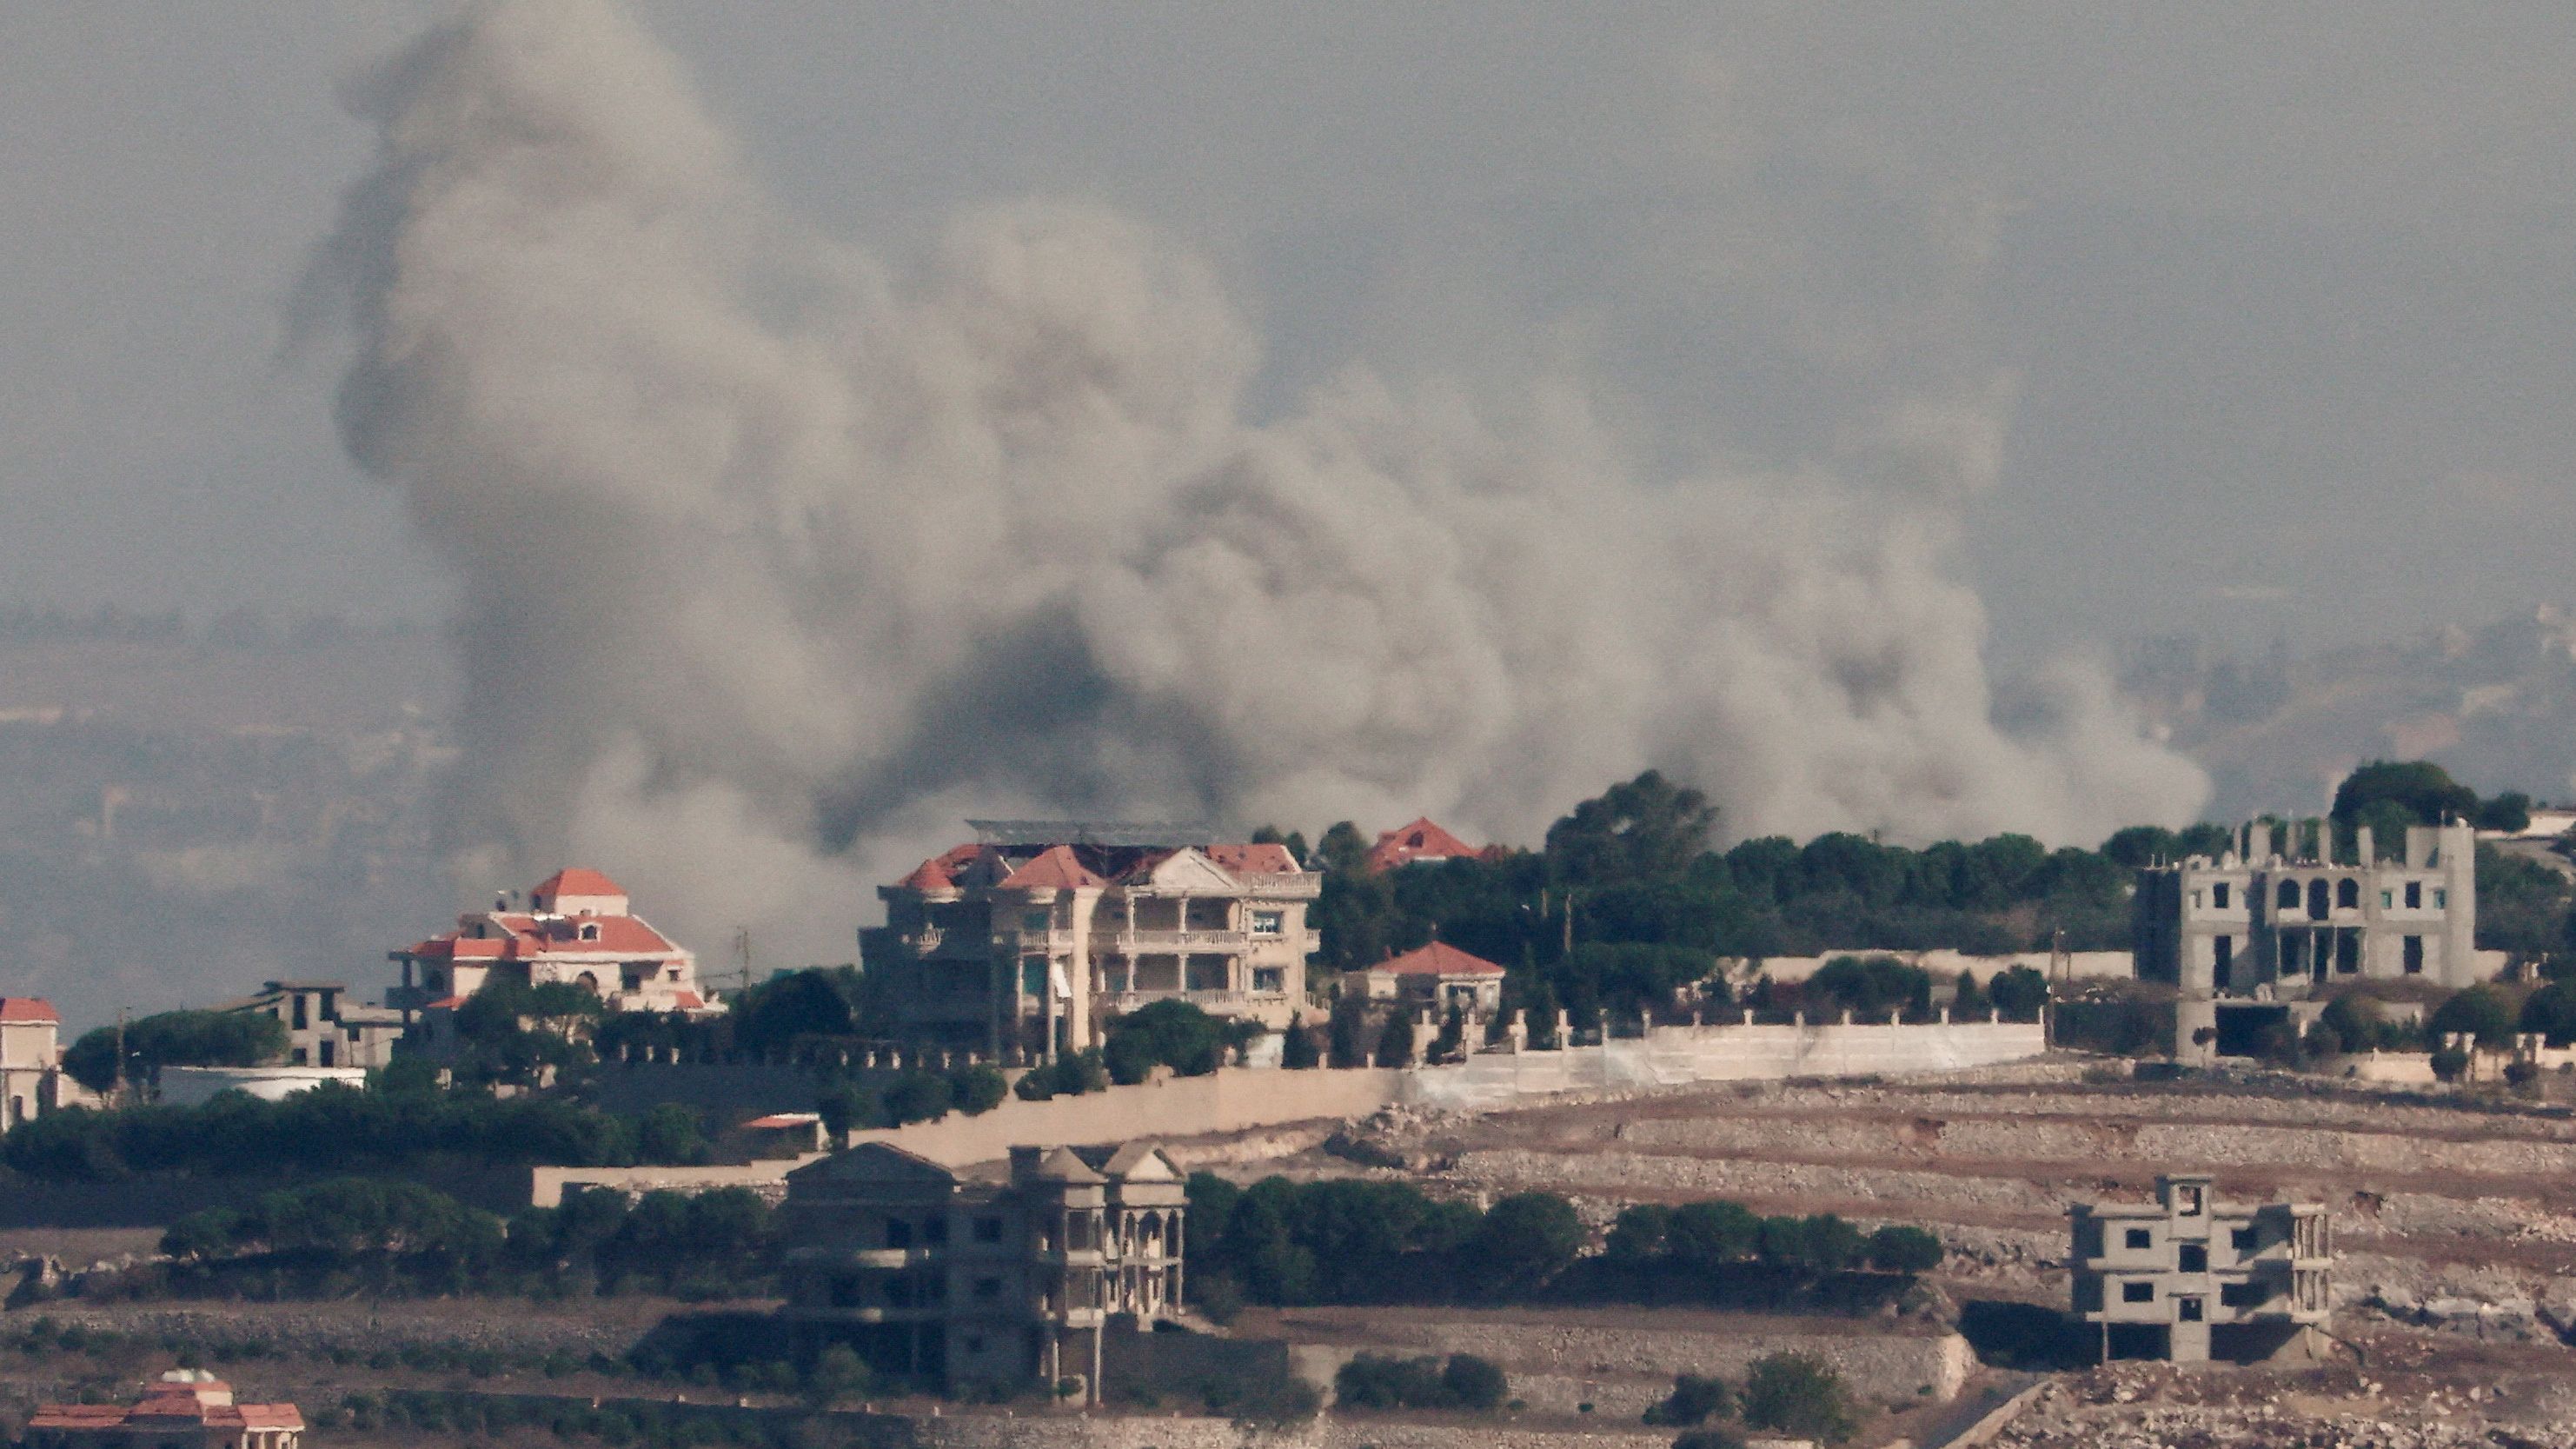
[(2287, 898), (2218, 895), (2187, 1309), (2244, 1295), (2348, 894), (2243, 1240), (2347, 952), (2414, 895), (2137, 1292), (2138, 1238), (2414, 955), (2317, 897), (2193, 1258)]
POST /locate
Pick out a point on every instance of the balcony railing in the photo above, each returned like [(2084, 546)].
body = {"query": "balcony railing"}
[(1130, 942)]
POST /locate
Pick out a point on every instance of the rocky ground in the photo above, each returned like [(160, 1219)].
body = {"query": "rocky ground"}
[(2454, 1213)]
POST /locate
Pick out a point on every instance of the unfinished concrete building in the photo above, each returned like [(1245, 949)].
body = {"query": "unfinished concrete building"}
[(1037, 933), (945, 1279), (2189, 1278), (2288, 914)]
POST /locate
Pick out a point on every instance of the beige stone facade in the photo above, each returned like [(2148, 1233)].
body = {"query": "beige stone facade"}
[(936, 1277), (1035, 945)]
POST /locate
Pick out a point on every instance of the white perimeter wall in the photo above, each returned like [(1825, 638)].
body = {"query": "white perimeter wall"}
[(1240, 1098), (1674, 1056), (1943, 963)]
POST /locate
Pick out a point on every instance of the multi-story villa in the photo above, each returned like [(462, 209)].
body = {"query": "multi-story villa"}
[(1040, 931), (2289, 916), (579, 930), (935, 1277), (2162, 1278), (324, 1028)]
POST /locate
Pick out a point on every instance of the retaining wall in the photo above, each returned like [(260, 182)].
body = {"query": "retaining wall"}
[(1238, 1099), (1672, 1056), (1942, 962)]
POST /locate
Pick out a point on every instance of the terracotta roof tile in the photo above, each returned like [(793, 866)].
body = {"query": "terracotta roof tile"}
[(28, 1009), (1420, 840), (577, 881), (1439, 959), (1053, 868)]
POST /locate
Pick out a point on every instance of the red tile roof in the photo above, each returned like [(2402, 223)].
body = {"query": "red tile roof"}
[(1439, 959), (1054, 867), (1267, 859), (28, 1008), (776, 1120), (539, 938), (577, 881), (1420, 840)]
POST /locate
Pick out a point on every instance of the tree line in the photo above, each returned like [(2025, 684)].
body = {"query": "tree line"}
[(375, 1235), (1354, 1241)]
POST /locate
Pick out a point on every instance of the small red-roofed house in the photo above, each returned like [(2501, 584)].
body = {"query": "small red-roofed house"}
[(1439, 976), (1422, 840), (32, 1081), (579, 930), (183, 1409)]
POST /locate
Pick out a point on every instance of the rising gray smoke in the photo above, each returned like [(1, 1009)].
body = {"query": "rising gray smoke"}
[(776, 561)]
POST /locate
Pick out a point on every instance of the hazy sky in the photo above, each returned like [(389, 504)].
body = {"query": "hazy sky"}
[(2285, 296)]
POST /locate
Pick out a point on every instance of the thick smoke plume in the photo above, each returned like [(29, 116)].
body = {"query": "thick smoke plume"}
[(775, 560)]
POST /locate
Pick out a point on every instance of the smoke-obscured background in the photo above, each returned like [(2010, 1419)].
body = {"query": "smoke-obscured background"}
[(727, 453)]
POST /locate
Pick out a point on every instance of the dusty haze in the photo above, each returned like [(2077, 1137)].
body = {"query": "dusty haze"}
[(776, 558)]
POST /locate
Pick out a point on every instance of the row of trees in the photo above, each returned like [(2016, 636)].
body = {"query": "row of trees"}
[(1357, 1241), (383, 1236), (335, 1128)]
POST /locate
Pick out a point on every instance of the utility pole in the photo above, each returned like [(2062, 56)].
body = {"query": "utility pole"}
[(742, 956), (116, 1087)]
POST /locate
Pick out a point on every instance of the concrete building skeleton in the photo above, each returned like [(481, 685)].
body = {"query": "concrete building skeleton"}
[(323, 1027), (2289, 918), (2160, 1278), (930, 1274), (1035, 935)]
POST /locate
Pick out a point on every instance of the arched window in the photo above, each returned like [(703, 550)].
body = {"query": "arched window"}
[(2288, 897), (2348, 894), (2317, 899), (587, 982)]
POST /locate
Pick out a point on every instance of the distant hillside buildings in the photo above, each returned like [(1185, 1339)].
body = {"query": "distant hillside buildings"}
[(1035, 934)]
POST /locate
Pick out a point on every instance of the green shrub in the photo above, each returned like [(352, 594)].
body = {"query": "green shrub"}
[(1474, 1383), (1800, 1394), (1695, 1399), (1900, 1249)]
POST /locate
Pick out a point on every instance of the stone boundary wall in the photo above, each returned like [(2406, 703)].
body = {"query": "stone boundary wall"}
[(547, 1185), (1232, 1099), (1673, 1056), (1942, 962), (1239, 1099)]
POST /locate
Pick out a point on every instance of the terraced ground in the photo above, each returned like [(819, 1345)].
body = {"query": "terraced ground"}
[(2442, 1208)]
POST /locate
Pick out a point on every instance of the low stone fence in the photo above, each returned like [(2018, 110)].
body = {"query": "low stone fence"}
[(1238, 1099), (1672, 1056)]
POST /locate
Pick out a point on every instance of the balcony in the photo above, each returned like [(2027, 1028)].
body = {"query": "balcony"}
[(1212, 999), (1131, 943)]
